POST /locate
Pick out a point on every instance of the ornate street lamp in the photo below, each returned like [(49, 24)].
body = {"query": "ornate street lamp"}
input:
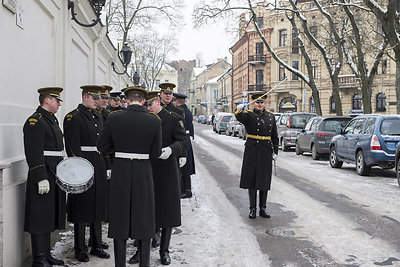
[(97, 6), (126, 53)]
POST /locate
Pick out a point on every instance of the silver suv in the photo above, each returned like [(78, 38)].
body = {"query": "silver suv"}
[(289, 125)]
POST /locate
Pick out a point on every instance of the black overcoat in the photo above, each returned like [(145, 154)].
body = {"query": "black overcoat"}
[(82, 127), (257, 158), (189, 167), (166, 173), (43, 213), (132, 130)]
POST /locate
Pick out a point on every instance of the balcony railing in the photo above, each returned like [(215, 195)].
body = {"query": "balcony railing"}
[(257, 59), (348, 81), (257, 87)]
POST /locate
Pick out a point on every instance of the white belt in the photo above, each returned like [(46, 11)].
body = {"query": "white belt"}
[(187, 132), (54, 153), (124, 155), (89, 148)]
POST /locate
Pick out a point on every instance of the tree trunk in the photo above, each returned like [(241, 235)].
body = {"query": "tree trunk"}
[(398, 86), (336, 96), (366, 92)]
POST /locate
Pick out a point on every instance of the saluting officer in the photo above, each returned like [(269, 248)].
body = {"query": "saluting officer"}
[(115, 102), (260, 148), (189, 168), (45, 202), (166, 174), (82, 128), (135, 136)]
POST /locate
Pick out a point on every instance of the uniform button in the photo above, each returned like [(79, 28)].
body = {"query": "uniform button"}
[(258, 118), (98, 134), (258, 130), (258, 124), (258, 141), (131, 158), (98, 152), (95, 125)]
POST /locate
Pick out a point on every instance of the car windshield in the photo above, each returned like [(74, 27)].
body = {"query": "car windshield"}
[(226, 118), (336, 125), (390, 127), (300, 120)]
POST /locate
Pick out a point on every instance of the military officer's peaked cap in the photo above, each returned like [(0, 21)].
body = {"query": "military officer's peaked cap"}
[(151, 96), (94, 90), (106, 91), (136, 89), (259, 97), (180, 96), (51, 91), (115, 94), (167, 88)]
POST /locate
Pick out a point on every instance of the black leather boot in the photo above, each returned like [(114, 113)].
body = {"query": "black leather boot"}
[(156, 239), (144, 258), (95, 229), (252, 202), (263, 204), (120, 252), (165, 240), (95, 235), (39, 249), (79, 242)]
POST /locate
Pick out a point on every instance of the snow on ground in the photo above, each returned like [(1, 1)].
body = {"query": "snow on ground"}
[(318, 223), (212, 233)]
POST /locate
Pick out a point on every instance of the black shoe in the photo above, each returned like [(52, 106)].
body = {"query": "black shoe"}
[(156, 240), (165, 258), (264, 213), (253, 213), (104, 245), (135, 243), (187, 194), (82, 256), (99, 252), (135, 258), (54, 261), (40, 262)]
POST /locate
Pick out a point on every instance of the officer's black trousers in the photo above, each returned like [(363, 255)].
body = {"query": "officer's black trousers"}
[(79, 235), (165, 239), (186, 183), (120, 252), (144, 247), (253, 198), (40, 247)]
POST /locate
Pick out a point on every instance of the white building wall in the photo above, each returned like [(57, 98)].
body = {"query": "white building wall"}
[(50, 50)]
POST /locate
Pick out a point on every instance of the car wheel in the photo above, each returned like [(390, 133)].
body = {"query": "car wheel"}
[(362, 168), (333, 158), (298, 150), (314, 153), (398, 171)]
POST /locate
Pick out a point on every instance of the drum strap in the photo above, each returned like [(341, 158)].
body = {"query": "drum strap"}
[(131, 156)]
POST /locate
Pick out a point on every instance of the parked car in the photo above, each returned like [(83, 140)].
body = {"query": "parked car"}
[(217, 117), (397, 161), (277, 115), (232, 127), (368, 140), (242, 131), (204, 120), (200, 118), (222, 122), (317, 135), (289, 126)]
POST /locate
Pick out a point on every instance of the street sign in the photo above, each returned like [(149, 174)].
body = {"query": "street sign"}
[(215, 107)]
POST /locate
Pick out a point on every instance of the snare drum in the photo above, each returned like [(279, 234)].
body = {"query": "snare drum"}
[(74, 175)]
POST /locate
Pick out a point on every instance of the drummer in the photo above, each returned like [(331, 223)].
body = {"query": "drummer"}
[(44, 202), (82, 127)]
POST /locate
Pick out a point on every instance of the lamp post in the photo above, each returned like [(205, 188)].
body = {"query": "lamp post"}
[(97, 6), (126, 54)]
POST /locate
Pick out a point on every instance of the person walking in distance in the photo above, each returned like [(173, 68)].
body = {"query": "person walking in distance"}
[(260, 148), (44, 202)]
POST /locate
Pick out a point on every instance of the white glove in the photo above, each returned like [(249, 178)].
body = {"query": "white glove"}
[(274, 156), (165, 153), (240, 106), (182, 162), (108, 172), (44, 186)]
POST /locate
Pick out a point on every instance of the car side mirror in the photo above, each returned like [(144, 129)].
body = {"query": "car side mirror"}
[(303, 130), (342, 131)]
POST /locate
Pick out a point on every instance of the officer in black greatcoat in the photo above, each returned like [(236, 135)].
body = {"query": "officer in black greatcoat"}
[(166, 95), (166, 174), (115, 102), (189, 168), (45, 202), (260, 148), (82, 128), (135, 136)]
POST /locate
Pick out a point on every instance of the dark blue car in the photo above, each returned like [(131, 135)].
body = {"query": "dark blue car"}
[(366, 141)]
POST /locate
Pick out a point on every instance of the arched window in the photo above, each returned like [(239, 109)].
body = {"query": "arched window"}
[(381, 102), (332, 105), (312, 106), (357, 104)]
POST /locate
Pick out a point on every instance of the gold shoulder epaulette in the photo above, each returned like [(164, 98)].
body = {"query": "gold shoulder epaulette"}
[(250, 110), (70, 115), (34, 118), (269, 111), (155, 114), (118, 110)]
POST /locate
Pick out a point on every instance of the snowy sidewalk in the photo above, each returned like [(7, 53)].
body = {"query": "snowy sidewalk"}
[(212, 234)]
